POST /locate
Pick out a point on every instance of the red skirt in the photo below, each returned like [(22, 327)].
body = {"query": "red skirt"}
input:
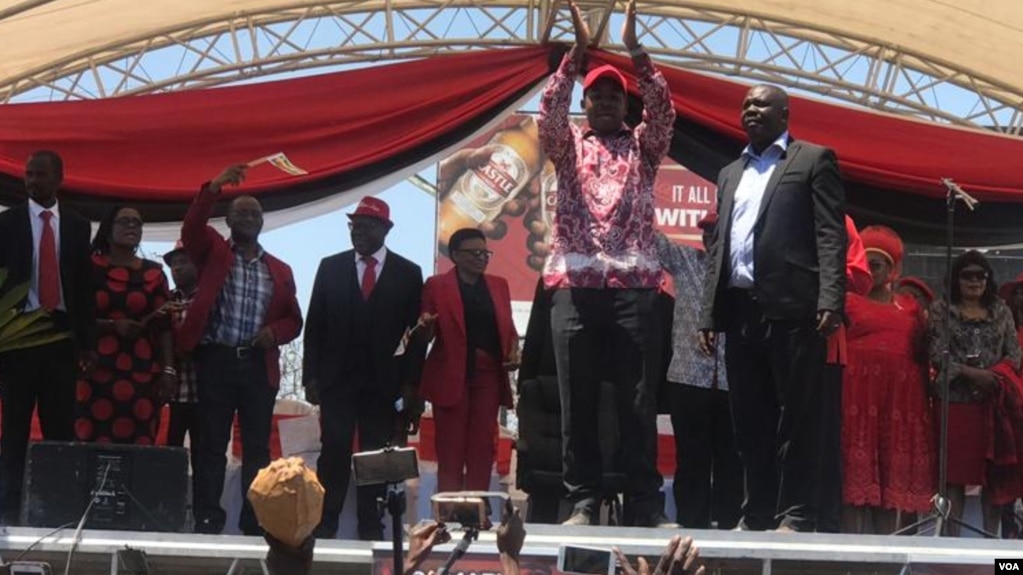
[(967, 442)]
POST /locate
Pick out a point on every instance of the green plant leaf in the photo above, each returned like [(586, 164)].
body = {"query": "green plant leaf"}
[(33, 341)]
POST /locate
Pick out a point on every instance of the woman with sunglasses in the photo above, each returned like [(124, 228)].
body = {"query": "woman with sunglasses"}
[(983, 377), (119, 402), (468, 315), (888, 447)]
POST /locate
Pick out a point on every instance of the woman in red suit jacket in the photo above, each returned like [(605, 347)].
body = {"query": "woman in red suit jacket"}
[(468, 315)]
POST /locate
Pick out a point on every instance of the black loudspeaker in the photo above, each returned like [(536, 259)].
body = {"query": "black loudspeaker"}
[(145, 487)]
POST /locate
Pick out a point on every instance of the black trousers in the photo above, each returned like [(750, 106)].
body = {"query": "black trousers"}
[(602, 334), (184, 418), (708, 473), (230, 382), (774, 375), (342, 411), (829, 482), (43, 376)]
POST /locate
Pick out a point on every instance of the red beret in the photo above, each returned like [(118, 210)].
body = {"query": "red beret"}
[(883, 240)]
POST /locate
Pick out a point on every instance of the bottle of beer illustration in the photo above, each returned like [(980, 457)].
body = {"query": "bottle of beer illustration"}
[(479, 194)]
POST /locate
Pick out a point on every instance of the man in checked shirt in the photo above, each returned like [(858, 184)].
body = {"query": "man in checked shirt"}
[(604, 270)]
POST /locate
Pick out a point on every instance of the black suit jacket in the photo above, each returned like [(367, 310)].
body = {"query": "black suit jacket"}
[(329, 331), (799, 242), (17, 249)]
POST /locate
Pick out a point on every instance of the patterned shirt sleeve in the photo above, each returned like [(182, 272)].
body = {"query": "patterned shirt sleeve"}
[(555, 104), (658, 112), (1011, 351)]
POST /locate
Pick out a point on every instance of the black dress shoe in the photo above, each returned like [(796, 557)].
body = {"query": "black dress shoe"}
[(580, 517)]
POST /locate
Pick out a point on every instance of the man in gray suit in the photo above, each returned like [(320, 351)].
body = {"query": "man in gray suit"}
[(776, 274)]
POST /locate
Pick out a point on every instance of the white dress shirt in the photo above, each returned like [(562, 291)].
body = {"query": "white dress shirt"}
[(34, 212), (360, 266), (748, 196)]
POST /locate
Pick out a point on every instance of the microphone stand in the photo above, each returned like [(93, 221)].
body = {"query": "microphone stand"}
[(941, 514), (471, 534), (395, 505)]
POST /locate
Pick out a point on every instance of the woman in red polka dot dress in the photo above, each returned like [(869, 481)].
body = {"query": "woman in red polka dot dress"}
[(120, 400)]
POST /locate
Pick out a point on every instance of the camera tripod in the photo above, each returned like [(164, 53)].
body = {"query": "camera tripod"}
[(471, 534)]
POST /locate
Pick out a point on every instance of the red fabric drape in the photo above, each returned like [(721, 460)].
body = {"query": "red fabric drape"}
[(879, 150), (161, 147)]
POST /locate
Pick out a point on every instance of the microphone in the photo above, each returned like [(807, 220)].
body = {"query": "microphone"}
[(959, 194)]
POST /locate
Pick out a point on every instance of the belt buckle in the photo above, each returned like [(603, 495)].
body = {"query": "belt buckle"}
[(242, 352)]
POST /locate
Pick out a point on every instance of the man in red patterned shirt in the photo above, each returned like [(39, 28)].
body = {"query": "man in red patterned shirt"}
[(604, 270)]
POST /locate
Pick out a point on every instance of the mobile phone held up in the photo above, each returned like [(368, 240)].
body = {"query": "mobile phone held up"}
[(586, 560), (28, 568), (466, 512)]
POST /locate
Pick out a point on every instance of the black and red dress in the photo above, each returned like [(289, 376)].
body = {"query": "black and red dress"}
[(119, 401)]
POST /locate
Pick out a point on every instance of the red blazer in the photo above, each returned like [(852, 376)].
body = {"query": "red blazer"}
[(213, 258), (443, 380)]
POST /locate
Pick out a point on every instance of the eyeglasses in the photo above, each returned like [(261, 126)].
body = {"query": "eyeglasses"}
[(478, 253), (973, 276), (128, 222)]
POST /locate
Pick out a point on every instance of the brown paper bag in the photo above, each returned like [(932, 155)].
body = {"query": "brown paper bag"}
[(287, 499)]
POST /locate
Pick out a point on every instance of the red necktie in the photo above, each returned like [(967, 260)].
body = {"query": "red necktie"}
[(369, 277), (49, 271)]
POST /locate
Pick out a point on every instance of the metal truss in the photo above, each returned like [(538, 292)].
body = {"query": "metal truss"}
[(307, 36)]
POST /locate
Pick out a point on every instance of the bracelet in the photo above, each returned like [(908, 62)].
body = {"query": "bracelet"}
[(170, 370)]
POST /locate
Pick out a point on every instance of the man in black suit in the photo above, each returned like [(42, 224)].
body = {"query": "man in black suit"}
[(777, 277), (363, 300), (45, 244)]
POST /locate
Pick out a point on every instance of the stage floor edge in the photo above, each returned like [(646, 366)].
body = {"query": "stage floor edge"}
[(727, 552)]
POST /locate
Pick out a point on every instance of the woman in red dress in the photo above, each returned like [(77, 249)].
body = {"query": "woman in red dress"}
[(888, 445), (119, 402)]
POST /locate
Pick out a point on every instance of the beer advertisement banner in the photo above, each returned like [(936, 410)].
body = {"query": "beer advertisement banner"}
[(502, 184)]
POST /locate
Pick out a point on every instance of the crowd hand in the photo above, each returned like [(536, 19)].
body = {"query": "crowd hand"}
[(452, 168), (707, 341), (233, 175), (629, 27), (264, 339), (582, 31), (421, 540), (511, 533), (827, 322), (680, 557)]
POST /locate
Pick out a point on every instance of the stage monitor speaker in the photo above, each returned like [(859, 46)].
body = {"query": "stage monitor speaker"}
[(145, 488)]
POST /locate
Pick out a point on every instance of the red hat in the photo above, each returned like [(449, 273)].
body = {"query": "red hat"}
[(179, 246), (372, 207), (883, 240), (709, 221), (1008, 287), (918, 284), (605, 71)]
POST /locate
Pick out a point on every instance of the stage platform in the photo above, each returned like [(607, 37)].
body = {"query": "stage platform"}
[(725, 552)]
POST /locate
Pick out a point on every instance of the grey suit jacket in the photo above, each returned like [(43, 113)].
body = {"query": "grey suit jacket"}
[(799, 243)]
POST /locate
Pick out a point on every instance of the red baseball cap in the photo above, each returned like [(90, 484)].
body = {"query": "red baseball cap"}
[(372, 207), (605, 71)]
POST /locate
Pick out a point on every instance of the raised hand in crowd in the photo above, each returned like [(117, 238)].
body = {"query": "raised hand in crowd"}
[(629, 27), (511, 534), (582, 31), (422, 538), (680, 557), (233, 175)]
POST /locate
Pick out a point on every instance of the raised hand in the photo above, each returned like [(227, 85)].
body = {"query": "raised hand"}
[(582, 31), (629, 27), (233, 175)]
